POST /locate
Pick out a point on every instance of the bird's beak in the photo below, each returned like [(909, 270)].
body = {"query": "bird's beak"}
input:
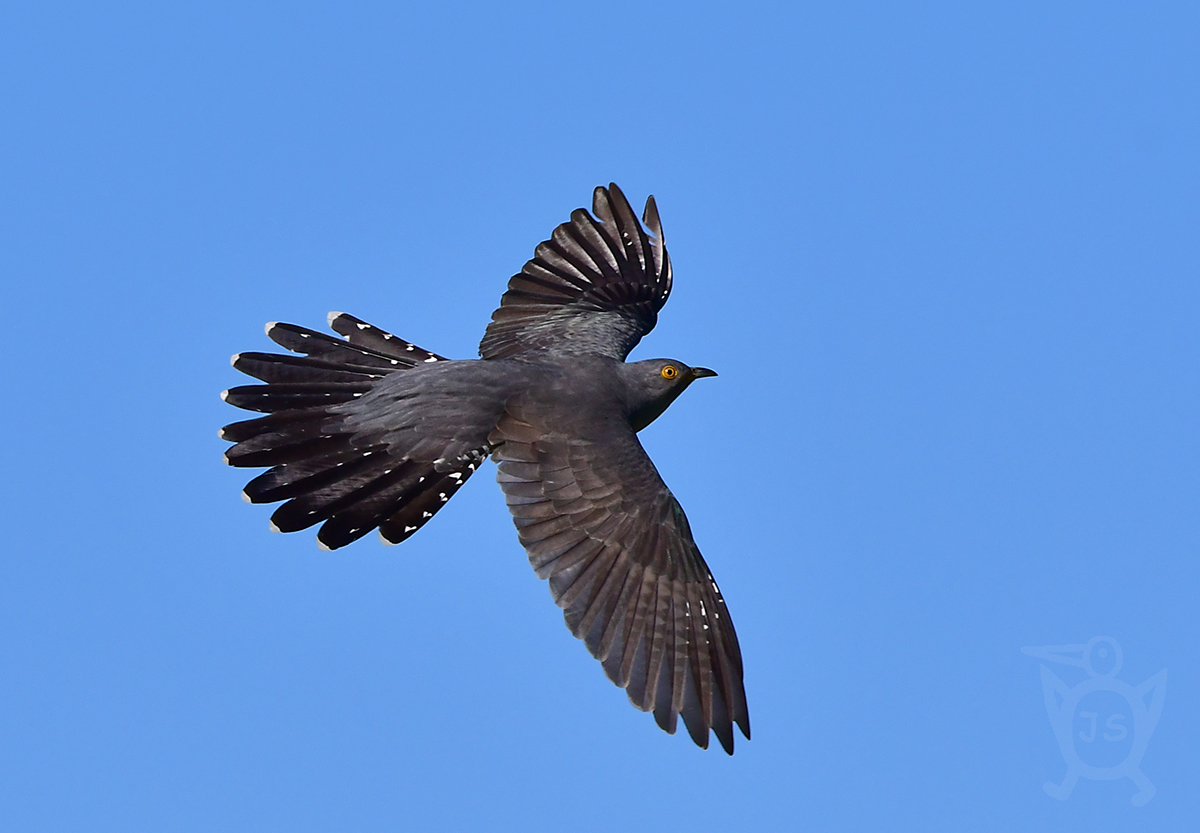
[(701, 372)]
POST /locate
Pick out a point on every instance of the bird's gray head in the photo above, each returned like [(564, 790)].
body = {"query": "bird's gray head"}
[(653, 384)]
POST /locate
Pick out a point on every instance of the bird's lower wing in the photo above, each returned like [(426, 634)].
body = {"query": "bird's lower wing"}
[(598, 522)]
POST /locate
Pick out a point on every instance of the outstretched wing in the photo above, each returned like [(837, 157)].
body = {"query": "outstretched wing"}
[(595, 286), (598, 522)]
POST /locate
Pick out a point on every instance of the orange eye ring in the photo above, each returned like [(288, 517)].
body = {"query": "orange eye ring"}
[(669, 371)]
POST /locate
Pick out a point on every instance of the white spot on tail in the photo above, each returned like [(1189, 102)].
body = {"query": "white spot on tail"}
[(431, 359), (362, 326), (224, 395), (410, 529), (426, 514)]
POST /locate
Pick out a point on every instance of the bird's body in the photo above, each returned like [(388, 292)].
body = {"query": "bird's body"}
[(372, 432)]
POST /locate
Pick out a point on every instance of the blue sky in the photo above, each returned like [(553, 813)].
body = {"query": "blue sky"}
[(944, 257)]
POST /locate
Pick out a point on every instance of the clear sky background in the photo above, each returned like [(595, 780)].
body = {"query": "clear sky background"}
[(944, 255)]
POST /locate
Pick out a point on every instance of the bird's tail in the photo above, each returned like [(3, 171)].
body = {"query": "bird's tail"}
[(324, 471)]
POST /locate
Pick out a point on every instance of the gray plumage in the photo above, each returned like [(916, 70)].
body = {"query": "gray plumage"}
[(372, 432)]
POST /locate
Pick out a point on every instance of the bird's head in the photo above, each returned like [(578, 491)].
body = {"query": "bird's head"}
[(653, 384)]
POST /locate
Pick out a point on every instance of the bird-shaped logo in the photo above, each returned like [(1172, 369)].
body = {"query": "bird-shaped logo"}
[(1102, 724)]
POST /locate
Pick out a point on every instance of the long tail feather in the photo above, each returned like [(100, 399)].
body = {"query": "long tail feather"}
[(326, 468)]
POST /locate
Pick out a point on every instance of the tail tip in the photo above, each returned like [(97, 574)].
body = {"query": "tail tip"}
[(246, 497), (333, 316), (384, 539), (323, 547), (270, 326), (233, 360)]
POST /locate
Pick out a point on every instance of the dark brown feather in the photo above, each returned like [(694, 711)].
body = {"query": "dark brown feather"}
[(598, 522)]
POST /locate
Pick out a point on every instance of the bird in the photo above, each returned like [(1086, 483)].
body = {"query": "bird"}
[(363, 431)]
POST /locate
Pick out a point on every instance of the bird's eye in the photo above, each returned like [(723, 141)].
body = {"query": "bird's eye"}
[(670, 371)]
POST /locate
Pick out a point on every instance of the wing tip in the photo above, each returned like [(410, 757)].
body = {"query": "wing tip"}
[(651, 218)]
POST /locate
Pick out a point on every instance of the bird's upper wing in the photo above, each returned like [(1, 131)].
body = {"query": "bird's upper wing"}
[(598, 521), (595, 286)]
